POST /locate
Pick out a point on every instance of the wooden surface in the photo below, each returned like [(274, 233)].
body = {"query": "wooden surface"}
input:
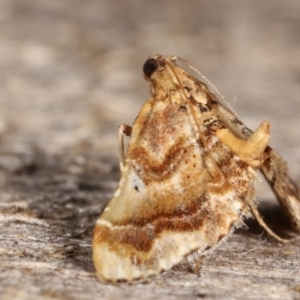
[(70, 73)]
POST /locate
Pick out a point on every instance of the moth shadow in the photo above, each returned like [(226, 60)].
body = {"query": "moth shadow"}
[(275, 218)]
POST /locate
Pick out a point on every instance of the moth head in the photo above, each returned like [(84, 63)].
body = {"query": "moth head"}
[(162, 72)]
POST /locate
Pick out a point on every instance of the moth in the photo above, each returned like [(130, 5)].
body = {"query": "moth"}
[(187, 179)]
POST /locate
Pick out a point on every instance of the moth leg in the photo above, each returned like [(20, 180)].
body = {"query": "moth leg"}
[(251, 150), (191, 264), (123, 130), (261, 222), (195, 268)]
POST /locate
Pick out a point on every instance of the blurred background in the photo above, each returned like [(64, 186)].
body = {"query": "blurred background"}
[(71, 71)]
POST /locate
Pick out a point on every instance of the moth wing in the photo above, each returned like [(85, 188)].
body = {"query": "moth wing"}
[(169, 206), (287, 192), (274, 170)]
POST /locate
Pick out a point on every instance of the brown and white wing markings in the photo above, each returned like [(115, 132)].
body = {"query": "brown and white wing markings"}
[(181, 191), (274, 169)]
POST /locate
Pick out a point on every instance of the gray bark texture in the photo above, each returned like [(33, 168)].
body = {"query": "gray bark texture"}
[(70, 73)]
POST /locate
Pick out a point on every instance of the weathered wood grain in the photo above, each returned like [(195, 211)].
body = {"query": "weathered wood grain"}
[(70, 72)]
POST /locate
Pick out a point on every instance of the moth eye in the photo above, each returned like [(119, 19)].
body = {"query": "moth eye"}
[(150, 66)]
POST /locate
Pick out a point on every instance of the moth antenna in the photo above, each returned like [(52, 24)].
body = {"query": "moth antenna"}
[(208, 81)]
